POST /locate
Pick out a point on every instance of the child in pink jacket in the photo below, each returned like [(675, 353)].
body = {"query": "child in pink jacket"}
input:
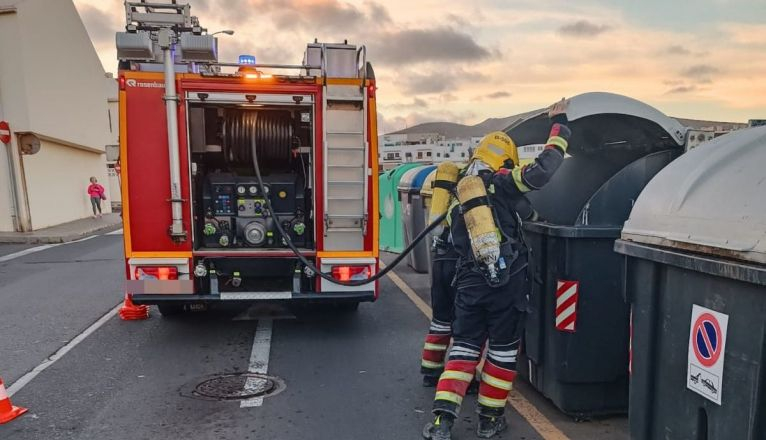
[(96, 193)]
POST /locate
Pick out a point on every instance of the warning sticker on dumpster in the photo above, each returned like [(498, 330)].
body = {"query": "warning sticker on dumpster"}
[(707, 342)]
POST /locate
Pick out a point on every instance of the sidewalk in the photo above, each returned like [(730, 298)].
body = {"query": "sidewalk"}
[(65, 232)]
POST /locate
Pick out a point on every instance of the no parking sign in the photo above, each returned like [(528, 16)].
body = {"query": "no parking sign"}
[(707, 342)]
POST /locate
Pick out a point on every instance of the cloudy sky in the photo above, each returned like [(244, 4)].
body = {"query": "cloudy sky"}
[(465, 61)]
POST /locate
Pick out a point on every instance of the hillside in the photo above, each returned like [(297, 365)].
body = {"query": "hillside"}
[(451, 130), (454, 130)]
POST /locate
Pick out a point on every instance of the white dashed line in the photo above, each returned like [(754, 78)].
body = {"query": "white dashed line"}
[(259, 360)]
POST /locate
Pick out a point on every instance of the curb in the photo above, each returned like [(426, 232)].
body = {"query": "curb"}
[(22, 238)]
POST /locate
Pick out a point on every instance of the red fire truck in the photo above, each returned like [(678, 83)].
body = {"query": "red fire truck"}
[(241, 181)]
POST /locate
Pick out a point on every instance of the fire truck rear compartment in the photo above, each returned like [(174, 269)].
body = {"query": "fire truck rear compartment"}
[(229, 207), (231, 220)]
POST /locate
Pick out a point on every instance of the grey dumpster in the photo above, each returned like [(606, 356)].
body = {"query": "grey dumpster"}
[(576, 337), (413, 216), (426, 193), (695, 259)]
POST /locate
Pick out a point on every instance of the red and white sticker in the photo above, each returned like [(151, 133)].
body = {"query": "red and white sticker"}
[(5, 132), (707, 345), (567, 293)]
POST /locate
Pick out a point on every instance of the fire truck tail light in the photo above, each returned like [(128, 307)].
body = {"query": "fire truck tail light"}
[(350, 273), (156, 273), (371, 91), (121, 83)]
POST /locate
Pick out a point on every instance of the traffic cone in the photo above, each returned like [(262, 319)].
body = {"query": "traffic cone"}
[(132, 312), (8, 412)]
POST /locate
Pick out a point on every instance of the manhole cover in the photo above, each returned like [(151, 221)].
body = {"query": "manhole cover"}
[(234, 386)]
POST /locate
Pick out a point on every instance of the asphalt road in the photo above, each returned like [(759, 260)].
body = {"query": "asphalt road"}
[(346, 376)]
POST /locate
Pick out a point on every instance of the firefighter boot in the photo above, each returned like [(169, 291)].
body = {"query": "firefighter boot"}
[(489, 426), (440, 428)]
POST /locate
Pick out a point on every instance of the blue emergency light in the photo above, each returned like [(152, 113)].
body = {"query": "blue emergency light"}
[(247, 60)]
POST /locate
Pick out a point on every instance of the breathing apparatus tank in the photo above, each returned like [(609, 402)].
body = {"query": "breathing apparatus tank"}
[(482, 231), (444, 184)]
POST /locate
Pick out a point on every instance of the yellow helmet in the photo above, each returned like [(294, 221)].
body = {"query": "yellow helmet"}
[(495, 148)]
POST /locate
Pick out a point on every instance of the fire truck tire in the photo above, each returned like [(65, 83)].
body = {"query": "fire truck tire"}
[(347, 307), (171, 309)]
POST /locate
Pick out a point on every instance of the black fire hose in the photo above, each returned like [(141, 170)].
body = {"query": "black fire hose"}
[(311, 265)]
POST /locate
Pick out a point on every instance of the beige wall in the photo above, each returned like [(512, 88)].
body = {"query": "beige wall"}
[(57, 180), (63, 76), (52, 85)]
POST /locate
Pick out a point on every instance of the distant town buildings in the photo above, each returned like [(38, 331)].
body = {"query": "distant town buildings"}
[(395, 149), (398, 148)]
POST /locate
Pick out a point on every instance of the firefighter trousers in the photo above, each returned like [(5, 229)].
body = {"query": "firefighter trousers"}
[(482, 314), (443, 304)]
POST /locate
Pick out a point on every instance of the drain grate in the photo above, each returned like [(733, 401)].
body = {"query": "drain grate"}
[(234, 386)]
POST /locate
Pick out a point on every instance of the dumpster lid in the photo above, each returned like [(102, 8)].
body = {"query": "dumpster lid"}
[(605, 121), (395, 175), (405, 182), (421, 176), (427, 188), (710, 200)]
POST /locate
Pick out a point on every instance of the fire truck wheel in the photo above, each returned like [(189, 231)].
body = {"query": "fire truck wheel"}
[(171, 309), (347, 307)]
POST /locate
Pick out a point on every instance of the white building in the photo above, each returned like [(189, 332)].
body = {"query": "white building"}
[(52, 96), (394, 149), (112, 93), (455, 150)]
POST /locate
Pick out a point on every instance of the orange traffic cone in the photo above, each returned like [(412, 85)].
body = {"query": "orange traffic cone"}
[(132, 312), (8, 412)]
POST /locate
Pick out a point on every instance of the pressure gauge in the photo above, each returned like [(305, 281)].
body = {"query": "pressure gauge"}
[(253, 190), (241, 190)]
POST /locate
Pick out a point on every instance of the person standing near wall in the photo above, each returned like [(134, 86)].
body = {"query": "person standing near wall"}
[(96, 193)]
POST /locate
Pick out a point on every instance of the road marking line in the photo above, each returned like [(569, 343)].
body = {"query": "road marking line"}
[(419, 303), (259, 360), (524, 407), (25, 379), (542, 425), (18, 254), (89, 237), (117, 232), (36, 249)]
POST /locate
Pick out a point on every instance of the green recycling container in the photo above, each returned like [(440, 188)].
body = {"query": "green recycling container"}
[(391, 231)]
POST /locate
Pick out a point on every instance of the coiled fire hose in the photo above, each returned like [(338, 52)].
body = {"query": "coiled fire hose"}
[(311, 265)]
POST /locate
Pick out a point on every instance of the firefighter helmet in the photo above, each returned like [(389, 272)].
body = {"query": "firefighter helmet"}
[(495, 149)]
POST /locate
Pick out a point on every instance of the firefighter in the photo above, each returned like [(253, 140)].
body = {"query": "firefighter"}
[(444, 259), (443, 289), (492, 279)]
